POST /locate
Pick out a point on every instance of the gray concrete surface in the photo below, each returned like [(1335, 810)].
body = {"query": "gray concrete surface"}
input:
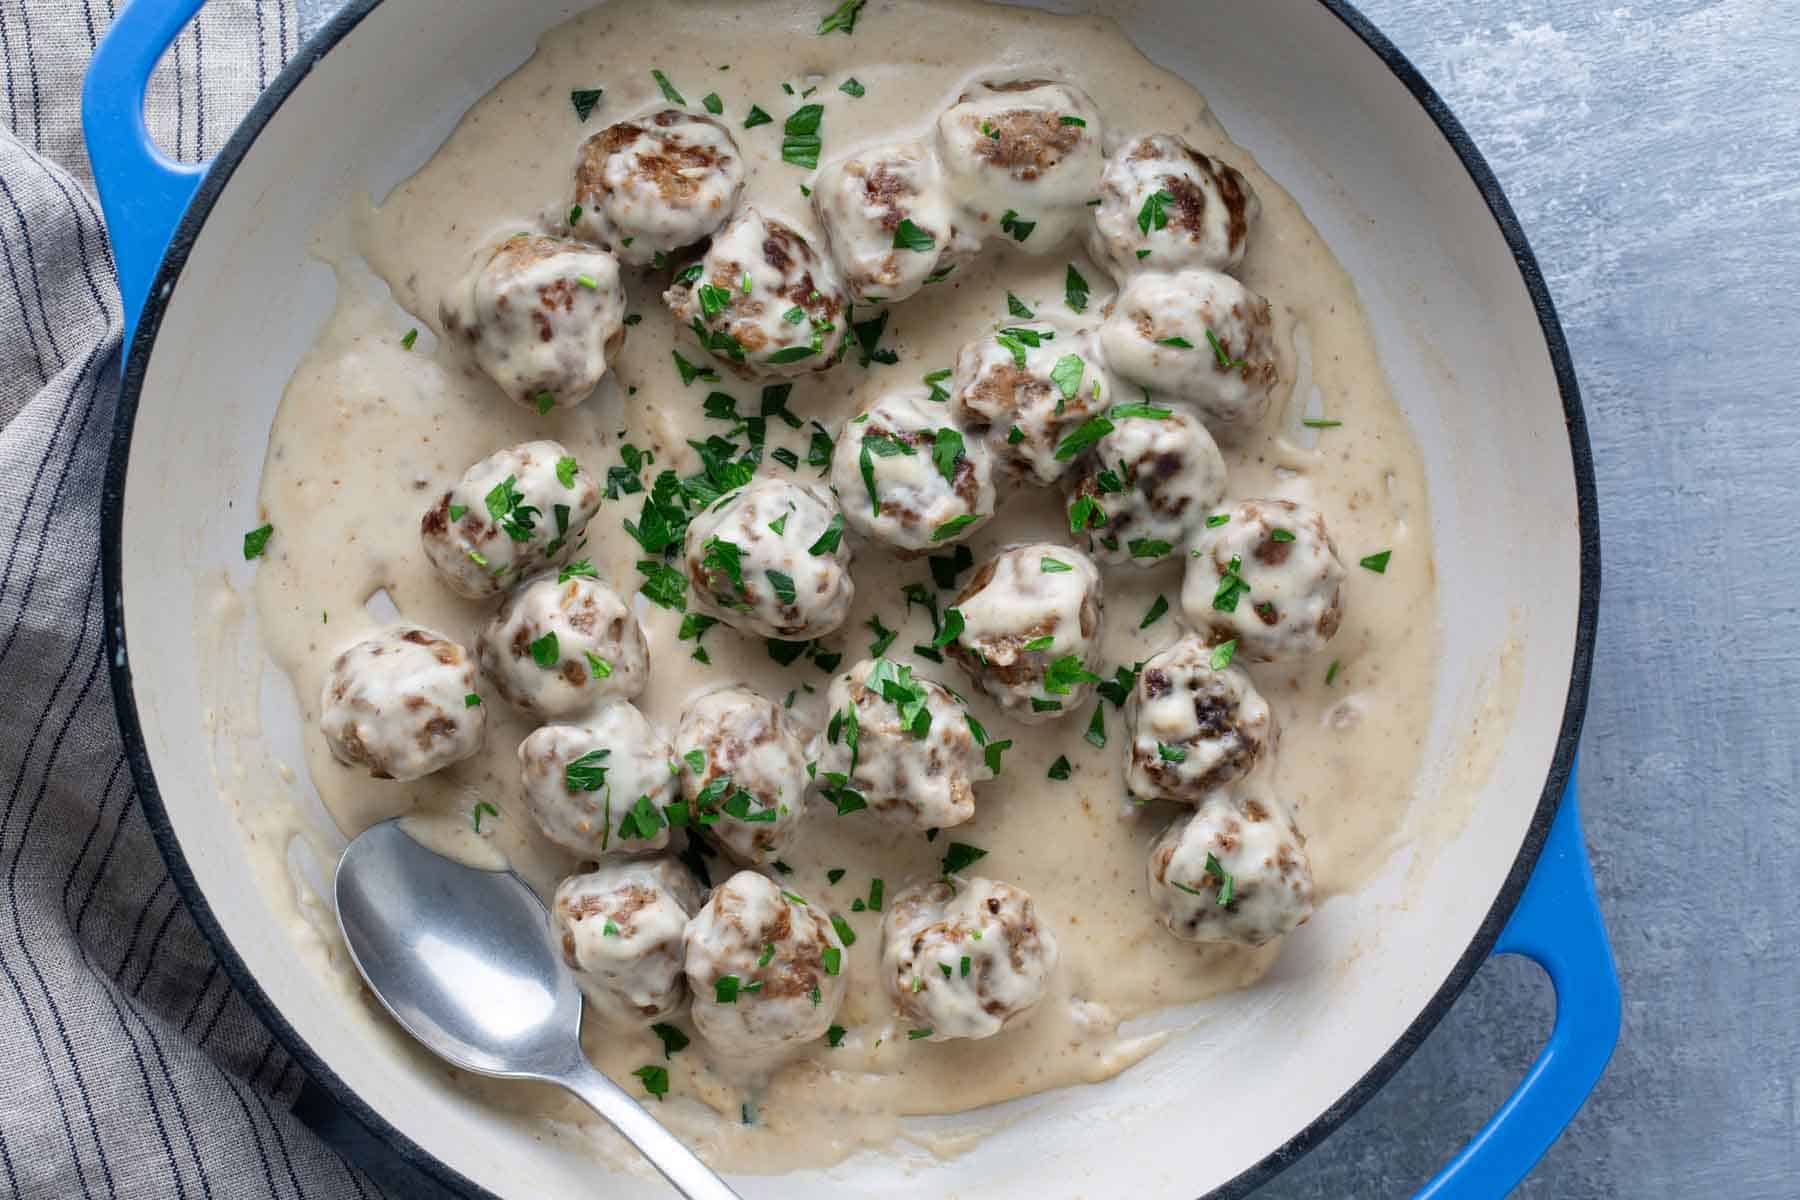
[(1653, 154)]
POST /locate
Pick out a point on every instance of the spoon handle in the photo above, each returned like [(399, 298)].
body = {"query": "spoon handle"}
[(679, 1165)]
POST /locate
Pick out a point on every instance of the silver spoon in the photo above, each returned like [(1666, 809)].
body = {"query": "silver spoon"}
[(465, 960)]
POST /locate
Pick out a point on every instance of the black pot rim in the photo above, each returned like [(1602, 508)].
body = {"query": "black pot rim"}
[(187, 233)]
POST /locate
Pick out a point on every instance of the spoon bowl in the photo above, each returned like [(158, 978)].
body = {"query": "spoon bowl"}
[(466, 961)]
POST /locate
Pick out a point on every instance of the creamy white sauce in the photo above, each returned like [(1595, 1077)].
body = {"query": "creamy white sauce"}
[(369, 433)]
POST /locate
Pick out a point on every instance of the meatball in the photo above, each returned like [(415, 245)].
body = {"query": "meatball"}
[(1194, 727), (903, 746), (1164, 206), (621, 927), (515, 512), (765, 967), (1027, 390), (888, 220), (907, 476), (601, 787), (1023, 159), (1234, 871), (1150, 483), (770, 559), (650, 186), (1266, 577), (402, 703), (542, 316), (763, 301), (1197, 336), (962, 959), (562, 644), (1030, 629), (744, 773)]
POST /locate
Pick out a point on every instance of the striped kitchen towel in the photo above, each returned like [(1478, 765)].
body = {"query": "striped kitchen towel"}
[(128, 1065)]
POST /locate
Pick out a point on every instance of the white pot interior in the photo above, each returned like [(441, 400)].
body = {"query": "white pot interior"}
[(1467, 360)]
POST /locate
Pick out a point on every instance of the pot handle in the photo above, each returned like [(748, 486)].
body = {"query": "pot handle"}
[(142, 191), (1557, 925)]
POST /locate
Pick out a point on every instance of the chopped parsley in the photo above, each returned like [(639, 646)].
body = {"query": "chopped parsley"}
[(1017, 308), (913, 1035), (1227, 885), (1066, 375), (408, 338), (599, 666), (257, 540), (1089, 432), (884, 637), (1320, 423), (1096, 730), (656, 1080), (583, 101), (544, 651), (668, 89), (1331, 672), (1065, 673), (1170, 754), (588, 772), (663, 584), (833, 959), (852, 87), (1377, 563), (1011, 223), (960, 856), (1178, 343), (834, 1036), (1221, 655), (712, 104), (1281, 535), (845, 934), (1231, 587), (1059, 770), (1151, 411), (908, 236), (482, 809), (673, 1040), (757, 117), (689, 372), (1085, 513), (953, 526), (1053, 566), (1154, 213), (1075, 290), (800, 136), (842, 18), (783, 584), (472, 700), (1226, 362), (1148, 547)]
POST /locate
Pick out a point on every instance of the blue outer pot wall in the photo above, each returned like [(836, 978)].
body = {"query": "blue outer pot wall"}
[(141, 246)]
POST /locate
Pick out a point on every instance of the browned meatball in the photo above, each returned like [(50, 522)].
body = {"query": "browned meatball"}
[(765, 966), (1030, 629), (1165, 206), (653, 185), (763, 301), (543, 317), (1194, 726), (962, 959), (1234, 871), (1266, 578), (916, 759), (907, 475), (402, 703)]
